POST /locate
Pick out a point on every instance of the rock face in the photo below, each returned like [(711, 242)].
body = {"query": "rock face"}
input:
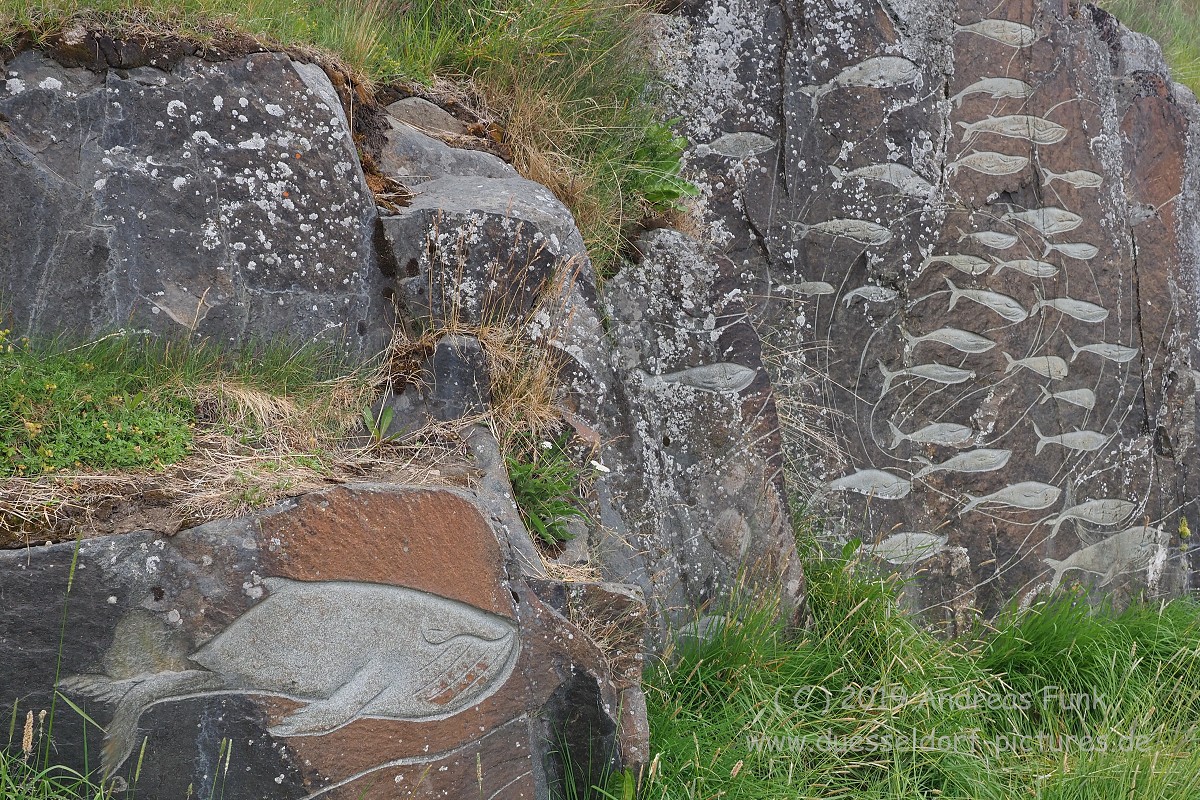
[(975, 226), (361, 642), (224, 199)]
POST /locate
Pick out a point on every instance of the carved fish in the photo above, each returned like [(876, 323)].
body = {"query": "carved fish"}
[(1097, 512), (1002, 304), (963, 341), (981, 460), (873, 483), (741, 144), (996, 87), (1051, 367), (1017, 126), (1047, 221), (907, 547), (858, 230), (719, 377), (939, 373), (993, 239), (898, 175), (1026, 266), (1013, 34), (1081, 441), (1084, 398), (807, 287), (972, 265), (1079, 178), (1080, 250), (1030, 495), (872, 294), (1076, 309), (947, 434), (989, 163), (880, 72), (1113, 352), (1131, 549)]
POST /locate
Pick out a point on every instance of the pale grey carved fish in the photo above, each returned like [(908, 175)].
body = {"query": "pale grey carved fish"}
[(972, 265), (872, 294), (963, 341), (1017, 126), (939, 373), (1084, 398), (1079, 178), (1080, 250), (1013, 34), (858, 230), (998, 88), (989, 163), (1029, 495), (880, 72), (1081, 441), (993, 239), (1076, 309), (907, 547), (1131, 549), (947, 434), (1051, 367), (873, 483), (344, 650), (1097, 512), (720, 377), (741, 144), (1026, 266), (981, 460), (1113, 352), (898, 175), (807, 288), (1002, 304), (1048, 221)]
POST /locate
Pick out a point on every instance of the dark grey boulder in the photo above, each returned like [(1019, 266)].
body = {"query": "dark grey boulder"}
[(412, 157)]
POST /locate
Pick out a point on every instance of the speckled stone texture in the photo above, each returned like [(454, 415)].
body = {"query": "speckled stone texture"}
[(224, 199), (970, 230)]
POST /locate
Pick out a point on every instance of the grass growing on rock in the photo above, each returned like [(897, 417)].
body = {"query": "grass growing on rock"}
[(566, 81), (1174, 24)]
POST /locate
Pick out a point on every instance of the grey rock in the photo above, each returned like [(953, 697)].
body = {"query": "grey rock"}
[(413, 158), (460, 378), (426, 116)]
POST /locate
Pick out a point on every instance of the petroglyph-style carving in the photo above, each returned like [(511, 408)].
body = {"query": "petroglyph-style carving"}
[(811, 288), (981, 460), (1129, 550), (992, 239), (898, 175), (1017, 126), (1079, 178), (1082, 441), (963, 341), (1104, 512), (1084, 398), (716, 378), (1028, 495), (997, 89), (1002, 304), (1079, 250), (742, 144), (857, 230), (1077, 309), (345, 650), (1051, 367), (907, 547), (971, 265), (880, 72), (939, 373), (1013, 34), (1048, 221), (1026, 266), (873, 483), (989, 163), (871, 294), (1113, 352), (947, 434)]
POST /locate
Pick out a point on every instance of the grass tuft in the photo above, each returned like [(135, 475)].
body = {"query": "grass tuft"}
[(1174, 24)]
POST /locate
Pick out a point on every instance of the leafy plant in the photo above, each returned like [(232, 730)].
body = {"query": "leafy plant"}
[(377, 426), (544, 482), (653, 170)]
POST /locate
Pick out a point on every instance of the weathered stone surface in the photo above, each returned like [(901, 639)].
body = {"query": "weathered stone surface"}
[(426, 116), (978, 217), (366, 641), (412, 158), (224, 199)]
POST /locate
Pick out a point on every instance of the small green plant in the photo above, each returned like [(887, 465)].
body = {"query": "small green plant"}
[(653, 171), (377, 426), (545, 481)]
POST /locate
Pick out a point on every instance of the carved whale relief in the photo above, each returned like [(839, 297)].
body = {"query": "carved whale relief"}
[(1082, 441), (1077, 309), (857, 230), (1051, 367), (997, 88), (989, 163), (939, 373), (1017, 126), (1113, 352), (947, 434), (1079, 178), (993, 239), (963, 341), (971, 265), (1026, 266), (1029, 495), (1013, 34), (1046, 221), (871, 294), (1002, 304), (345, 650), (880, 72), (1104, 511), (873, 483), (907, 547), (898, 175), (1131, 549), (1084, 398), (981, 460)]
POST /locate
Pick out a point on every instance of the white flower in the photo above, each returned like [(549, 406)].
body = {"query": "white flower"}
[(546, 445)]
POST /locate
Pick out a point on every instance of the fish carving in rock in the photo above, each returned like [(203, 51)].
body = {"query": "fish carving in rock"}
[(1132, 548), (719, 377), (971, 265), (1076, 309), (1002, 304), (1017, 126), (1051, 367), (1047, 221), (344, 650), (1004, 31), (939, 373), (989, 163), (1081, 441), (907, 547), (981, 460), (880, 72), (1084, 398), (1105, 511), (1029, 495), (808, 288), (1079, 250), (993, 239), (1113, 352), (873, 483), (871, 294), (857, 230), (898, 175), (947, 434), (1079, 178), (1026, 266), (997, 89), (960, 340)]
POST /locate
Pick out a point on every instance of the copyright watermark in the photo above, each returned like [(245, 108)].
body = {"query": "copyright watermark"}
[(888, 697)]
